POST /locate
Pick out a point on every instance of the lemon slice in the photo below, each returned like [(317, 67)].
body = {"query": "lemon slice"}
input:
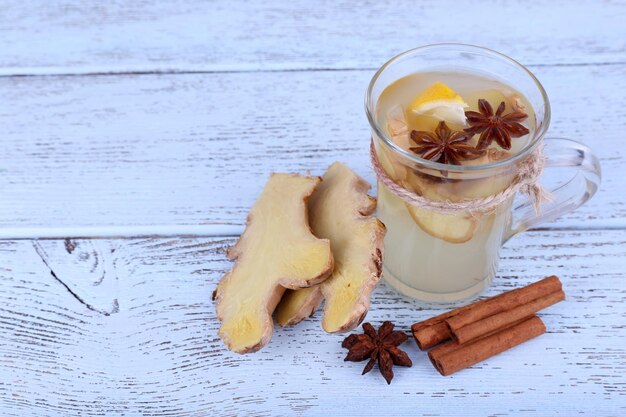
[(442, 103)]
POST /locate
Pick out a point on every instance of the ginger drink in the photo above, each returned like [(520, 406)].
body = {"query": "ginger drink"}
[(446, 117)]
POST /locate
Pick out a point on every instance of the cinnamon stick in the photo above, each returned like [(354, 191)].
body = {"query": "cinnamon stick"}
[(429, 336), (504, 319), (435, 330), (504, 302), (452, 356)]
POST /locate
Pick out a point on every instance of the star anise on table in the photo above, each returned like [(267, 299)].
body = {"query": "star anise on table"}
[(499, 127), (444, 145), (381, 347)]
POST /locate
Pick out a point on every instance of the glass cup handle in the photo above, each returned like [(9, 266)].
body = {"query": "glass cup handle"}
[(568, 195)]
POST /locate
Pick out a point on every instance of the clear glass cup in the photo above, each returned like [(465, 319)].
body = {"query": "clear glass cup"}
[(436, 257)]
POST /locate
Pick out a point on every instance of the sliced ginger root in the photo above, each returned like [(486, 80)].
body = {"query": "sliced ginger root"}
[(398, 130), (397, 127), (276, 251), (453, 228), (459, 227), (340, 211), (297, 305)]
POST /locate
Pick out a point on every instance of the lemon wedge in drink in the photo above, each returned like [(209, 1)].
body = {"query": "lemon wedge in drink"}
[(440, 102)]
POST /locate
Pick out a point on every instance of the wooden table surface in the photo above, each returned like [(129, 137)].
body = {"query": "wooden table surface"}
[(123, 119)]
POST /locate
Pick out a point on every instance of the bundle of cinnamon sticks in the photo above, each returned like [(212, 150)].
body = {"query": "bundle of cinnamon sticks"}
[(485, 328)]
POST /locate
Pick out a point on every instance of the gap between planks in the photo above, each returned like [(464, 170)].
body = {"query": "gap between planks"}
[(214, 230), (221, 69)]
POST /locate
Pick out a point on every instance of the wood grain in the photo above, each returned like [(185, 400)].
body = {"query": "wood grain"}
[(92, 36), (158, 353), (186, 150), (134, 118)]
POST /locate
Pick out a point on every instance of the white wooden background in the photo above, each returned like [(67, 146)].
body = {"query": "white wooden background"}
[(121, 119)]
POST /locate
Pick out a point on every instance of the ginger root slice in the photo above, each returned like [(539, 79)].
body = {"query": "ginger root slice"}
[(398, 128), (276, 251), (297, 305), (340, 210)]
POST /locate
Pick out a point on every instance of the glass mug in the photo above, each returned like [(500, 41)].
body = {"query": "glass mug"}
[(448, 257)]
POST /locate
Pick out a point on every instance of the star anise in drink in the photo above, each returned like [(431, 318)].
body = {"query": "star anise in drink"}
[(381, 347), (444, 145), (499, 127)]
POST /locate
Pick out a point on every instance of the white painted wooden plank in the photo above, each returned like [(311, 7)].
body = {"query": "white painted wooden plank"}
[(157, 352), (195, 35), (154, 152)]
